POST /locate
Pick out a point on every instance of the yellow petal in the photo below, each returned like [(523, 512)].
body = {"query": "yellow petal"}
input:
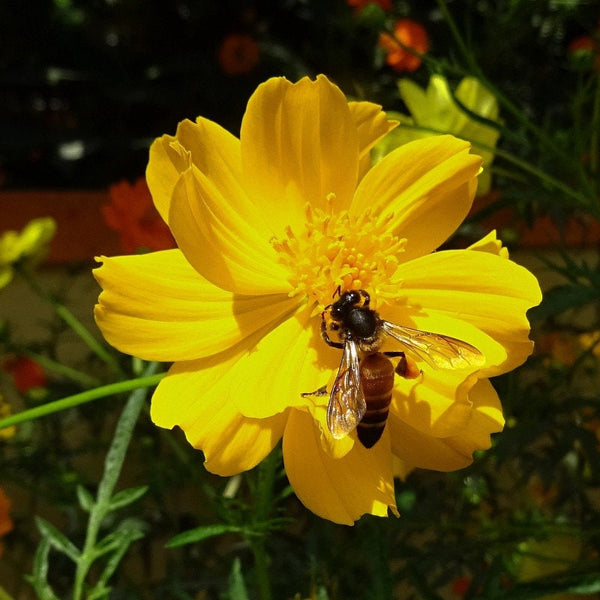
[(426, 187), (196, 396), (401, 468), (219, 242), (168, 159), (448, 454), (490, 243), (343, 489), (282, 366), (372, 125), (437, 403), (480, 288), (213, 150), (157, 307), (299, 144)]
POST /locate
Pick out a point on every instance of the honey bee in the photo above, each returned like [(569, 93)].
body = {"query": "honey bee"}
[(362, 391)]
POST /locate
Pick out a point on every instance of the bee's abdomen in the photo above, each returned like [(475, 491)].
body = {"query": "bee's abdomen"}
[(377, 378)]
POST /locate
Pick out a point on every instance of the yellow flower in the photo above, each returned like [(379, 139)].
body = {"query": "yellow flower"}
[(29, 245), (435, 110), (268, 226)]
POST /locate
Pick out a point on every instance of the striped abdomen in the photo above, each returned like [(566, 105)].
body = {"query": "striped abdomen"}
[(377, 378)]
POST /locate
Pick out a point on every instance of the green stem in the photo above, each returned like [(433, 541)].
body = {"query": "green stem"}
[(502, 99), (112, 469), (263, 505), (71, 320), (582, 200), (261, 563), (468, 56), (83, 397)]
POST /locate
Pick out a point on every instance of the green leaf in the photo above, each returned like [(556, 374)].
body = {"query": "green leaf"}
[(38, 579), (57, 539), (201, 533), (86, 500), (237, 587), (125, 497), (127, 532)]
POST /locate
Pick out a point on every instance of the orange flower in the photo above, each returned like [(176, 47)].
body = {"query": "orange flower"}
[(26, 373), (133, 215), (586, 48), (460, 586), (411, 35), (6, 524), (358, 5), (238, 54)]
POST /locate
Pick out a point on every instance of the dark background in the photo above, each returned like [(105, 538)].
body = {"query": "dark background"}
[(85, 85)]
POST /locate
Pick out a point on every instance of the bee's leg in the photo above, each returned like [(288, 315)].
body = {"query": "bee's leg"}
[(406, 366), (322, 391)]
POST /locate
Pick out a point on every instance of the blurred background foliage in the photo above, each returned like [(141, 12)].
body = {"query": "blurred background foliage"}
[(87, 85)]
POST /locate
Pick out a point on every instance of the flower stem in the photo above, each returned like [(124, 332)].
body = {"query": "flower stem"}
[(263, 505), (502, 99), (83, 397), (261, 564), (71, 320), (112, 469)]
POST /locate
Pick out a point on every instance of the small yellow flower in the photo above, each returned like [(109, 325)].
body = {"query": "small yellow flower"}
[(268, 227), (29, 245), (435, 110)]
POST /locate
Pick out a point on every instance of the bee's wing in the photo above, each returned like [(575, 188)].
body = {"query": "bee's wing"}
[(347, 404), (439, 351)]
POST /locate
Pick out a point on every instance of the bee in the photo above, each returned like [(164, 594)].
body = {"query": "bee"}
[(362, 391)]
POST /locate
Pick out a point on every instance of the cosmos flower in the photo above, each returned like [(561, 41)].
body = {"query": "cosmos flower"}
[(435, 110), (132, 214), (269, 226), (584, 51), (25, 372), (412, 35), (238, 54), (28, 246)]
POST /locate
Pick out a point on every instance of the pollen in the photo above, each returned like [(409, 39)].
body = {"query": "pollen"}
[(339, 250)]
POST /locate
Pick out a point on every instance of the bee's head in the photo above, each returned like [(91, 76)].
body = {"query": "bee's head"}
[(348, 302), (353, 312)]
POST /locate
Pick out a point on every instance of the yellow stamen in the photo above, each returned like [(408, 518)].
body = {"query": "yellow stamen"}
[(339, 250)]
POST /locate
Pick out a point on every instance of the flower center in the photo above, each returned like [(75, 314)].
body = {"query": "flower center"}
[(337, 249)]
